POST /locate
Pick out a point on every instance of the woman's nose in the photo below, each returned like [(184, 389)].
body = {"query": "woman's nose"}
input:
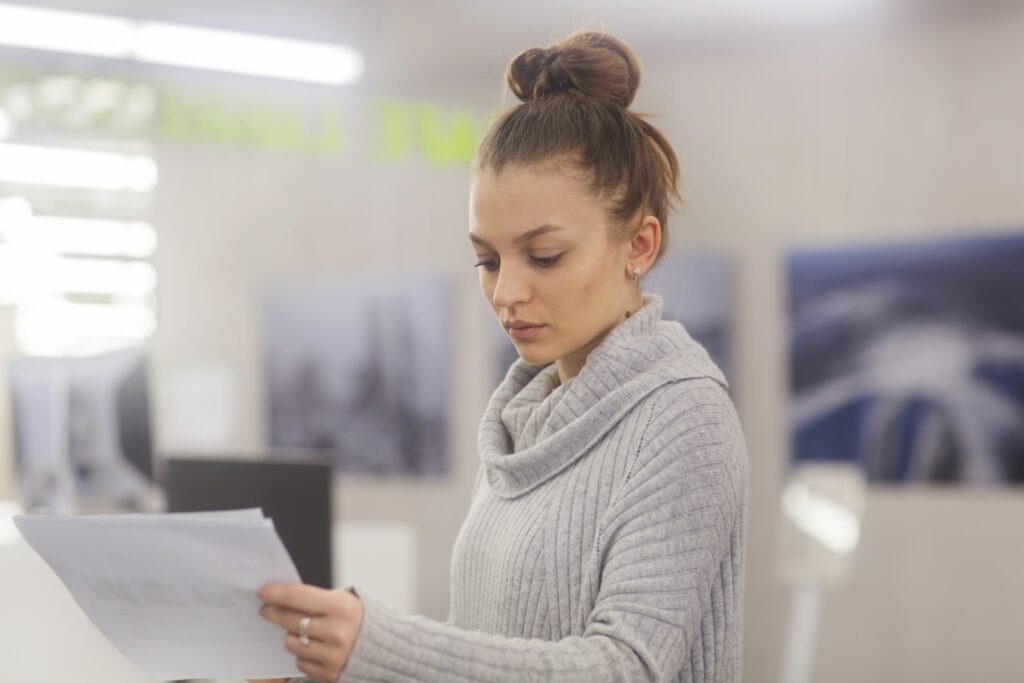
[(511, 287)]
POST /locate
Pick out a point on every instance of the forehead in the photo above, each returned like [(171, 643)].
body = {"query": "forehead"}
[(521, 197)]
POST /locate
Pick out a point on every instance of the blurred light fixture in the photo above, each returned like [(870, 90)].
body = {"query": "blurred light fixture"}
[(76, 168), (178, 45), (86, 236), (59, 31), (215, 50), (825, 520), (14, 210), (28, 273), (55, 327), (73, 306)]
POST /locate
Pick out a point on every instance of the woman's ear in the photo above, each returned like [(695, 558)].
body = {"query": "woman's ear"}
[(644, 245)]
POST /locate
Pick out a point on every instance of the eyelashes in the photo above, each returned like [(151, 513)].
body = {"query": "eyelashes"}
[(542, 262)]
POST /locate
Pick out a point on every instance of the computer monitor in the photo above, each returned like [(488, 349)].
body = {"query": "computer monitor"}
[(82, 431), (295, 494)]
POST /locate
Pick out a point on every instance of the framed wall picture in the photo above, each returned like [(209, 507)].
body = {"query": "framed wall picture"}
[(908, 358)]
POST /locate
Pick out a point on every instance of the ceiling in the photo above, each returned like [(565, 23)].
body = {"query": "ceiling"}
[(460, 47)]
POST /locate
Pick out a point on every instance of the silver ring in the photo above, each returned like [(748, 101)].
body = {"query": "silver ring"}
[(303, 630)]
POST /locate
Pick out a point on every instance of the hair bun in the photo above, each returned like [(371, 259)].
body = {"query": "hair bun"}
[(590, 62)]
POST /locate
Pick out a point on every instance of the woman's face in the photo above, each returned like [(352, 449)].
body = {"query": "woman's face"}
[(542, 243)]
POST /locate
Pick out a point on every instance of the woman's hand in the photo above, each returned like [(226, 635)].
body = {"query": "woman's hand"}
[(336, 616)]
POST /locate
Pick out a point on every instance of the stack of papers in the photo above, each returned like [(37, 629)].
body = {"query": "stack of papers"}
[(174, 592)]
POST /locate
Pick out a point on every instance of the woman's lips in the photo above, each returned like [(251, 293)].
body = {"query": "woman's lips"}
[(523, 333)]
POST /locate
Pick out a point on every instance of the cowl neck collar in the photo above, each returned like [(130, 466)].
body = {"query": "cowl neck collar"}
[(533, 427)]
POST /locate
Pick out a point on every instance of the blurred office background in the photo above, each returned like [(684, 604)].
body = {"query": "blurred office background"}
[(275, 266)]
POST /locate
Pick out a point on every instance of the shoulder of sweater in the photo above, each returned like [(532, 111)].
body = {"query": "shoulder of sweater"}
[(689, 398), (692, 415), (691, 441)]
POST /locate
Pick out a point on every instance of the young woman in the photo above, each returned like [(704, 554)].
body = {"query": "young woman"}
[(605, 537)]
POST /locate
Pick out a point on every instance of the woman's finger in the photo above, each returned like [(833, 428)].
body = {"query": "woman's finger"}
[(289, 620), (318, 672), (300, 597), (317, 651)]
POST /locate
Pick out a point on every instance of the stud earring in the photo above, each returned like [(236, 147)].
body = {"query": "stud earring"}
[(636, 272)]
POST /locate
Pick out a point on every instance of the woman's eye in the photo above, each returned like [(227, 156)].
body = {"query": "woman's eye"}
[(549, 261), (544, 262)]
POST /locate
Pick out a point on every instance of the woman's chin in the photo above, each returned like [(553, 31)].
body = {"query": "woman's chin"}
[(533, 355)]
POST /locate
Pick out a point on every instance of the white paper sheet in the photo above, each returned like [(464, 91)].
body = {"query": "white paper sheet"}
[(175, 593)]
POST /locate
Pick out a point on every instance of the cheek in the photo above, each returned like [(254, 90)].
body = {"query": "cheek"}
[(596, 280)]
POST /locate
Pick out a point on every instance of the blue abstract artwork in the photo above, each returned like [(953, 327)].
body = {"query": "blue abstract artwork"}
[(908, 358)]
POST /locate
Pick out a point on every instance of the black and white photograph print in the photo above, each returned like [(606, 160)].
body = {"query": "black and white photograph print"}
[(82, 429), (360, 369), (908, 359)]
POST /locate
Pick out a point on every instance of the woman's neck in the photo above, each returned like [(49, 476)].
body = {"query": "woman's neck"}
[(570, 365)]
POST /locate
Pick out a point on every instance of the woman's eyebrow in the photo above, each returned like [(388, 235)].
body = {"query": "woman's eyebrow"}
[(526, 236)]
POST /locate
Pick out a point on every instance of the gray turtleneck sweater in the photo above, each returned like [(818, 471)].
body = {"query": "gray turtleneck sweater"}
[(605, 534)]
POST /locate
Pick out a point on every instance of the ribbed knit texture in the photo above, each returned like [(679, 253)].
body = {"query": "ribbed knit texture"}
[(606, 530)]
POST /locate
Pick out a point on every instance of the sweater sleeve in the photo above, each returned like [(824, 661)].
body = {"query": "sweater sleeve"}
[(365, 598), (662, 544)]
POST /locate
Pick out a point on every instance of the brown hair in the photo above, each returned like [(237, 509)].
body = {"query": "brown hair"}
[(575, 97)]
